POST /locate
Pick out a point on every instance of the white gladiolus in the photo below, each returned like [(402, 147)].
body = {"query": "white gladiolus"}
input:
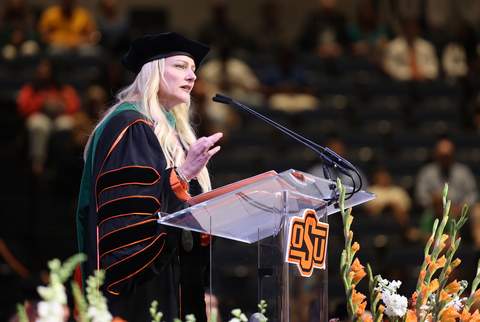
[(51, 311)]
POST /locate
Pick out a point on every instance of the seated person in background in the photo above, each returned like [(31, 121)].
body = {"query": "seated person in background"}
[(408, 57), (462, 185), (391, 199), (270, 34), (367, 35), (232, 77), (18, 35), (337, 146), (285, 85), (67, 28), (324, 32), (113, 27), (47, 107)]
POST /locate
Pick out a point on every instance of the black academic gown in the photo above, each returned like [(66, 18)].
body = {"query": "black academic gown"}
[(143, 261)]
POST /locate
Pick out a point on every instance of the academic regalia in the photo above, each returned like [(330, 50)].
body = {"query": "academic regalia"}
[(143, 261)]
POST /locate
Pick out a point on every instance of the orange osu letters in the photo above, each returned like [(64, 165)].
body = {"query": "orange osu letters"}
[(307, 243)]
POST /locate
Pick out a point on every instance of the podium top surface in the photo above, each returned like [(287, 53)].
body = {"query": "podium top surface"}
[(255, 208)]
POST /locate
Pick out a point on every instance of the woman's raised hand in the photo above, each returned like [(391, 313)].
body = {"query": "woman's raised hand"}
[(199, 154)]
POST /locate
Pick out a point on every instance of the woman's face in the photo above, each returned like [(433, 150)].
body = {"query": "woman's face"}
[(179, 79)]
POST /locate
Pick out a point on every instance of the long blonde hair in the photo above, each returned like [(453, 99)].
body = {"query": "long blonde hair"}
[(144, 94)]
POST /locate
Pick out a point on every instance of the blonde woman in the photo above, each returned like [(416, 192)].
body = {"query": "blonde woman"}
[(143, 157)]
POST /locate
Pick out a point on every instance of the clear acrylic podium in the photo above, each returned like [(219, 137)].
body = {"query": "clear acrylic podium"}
[(256, 218)]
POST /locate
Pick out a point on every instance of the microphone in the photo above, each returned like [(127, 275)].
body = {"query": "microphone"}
[(257, 317), (327, 156)]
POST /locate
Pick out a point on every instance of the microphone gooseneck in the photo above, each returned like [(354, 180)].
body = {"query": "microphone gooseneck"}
[(328, 157)]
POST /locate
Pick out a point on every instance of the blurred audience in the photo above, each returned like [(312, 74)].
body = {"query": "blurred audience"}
[(270, 35), (462, 185), (219, 31), (409, 57), (232, 77), (285, 85), (460, 53), (47, 108), (367, 35), (391, 200), (113, 27), (67, 28), (204, 120), (18, 34), (324, 31)]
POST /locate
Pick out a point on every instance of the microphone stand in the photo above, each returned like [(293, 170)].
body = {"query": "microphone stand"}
[(328, 157)]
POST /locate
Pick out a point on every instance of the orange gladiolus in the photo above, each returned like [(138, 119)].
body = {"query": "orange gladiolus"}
[(411, 316), (443, 238), (476, 295), (356, 266), (475, 317), (414, 299), (441, 262), (355, 247), (453, 287), (118, 319), (358, 297), (421, 276), (358, 276), (466, 316), (428, 258), (456, 262), (449, 315), (368, 318), (433, 285), (361, 308)]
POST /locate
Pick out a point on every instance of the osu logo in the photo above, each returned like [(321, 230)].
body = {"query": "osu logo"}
[(307, 242)]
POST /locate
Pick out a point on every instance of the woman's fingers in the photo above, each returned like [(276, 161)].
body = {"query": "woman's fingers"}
[(199, 154)]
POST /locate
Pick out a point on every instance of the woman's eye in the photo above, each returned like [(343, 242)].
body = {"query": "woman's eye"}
[(180, 66)]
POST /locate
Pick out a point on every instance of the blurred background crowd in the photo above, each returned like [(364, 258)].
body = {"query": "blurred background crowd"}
[(391, 85)]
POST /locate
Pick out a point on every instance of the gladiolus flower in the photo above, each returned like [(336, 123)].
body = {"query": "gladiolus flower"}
[(357, 297), (431, 268), (368, 318), (467, 317), (441, 262), (456, 262), (444, 238), (476, 295), (118, 319), (433, 285), (411, 316), (428, 258), (361, 309), (413, 300), (355, 247), (421, 276), (449, 315), (453, 287), (356, 266), (358, 276)]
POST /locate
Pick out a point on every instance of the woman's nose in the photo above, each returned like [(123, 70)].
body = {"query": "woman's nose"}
[(191, 75)]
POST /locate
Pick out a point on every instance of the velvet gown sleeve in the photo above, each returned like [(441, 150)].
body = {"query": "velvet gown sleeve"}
[(131, 183)]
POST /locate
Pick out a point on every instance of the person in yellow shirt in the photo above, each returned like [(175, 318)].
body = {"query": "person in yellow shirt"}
[(67, 27)]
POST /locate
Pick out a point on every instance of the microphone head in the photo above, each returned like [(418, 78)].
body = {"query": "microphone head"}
[(257, 317), (221, 100)]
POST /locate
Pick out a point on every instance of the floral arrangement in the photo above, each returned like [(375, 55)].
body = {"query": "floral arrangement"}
[(433, 300), (93, 307)]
